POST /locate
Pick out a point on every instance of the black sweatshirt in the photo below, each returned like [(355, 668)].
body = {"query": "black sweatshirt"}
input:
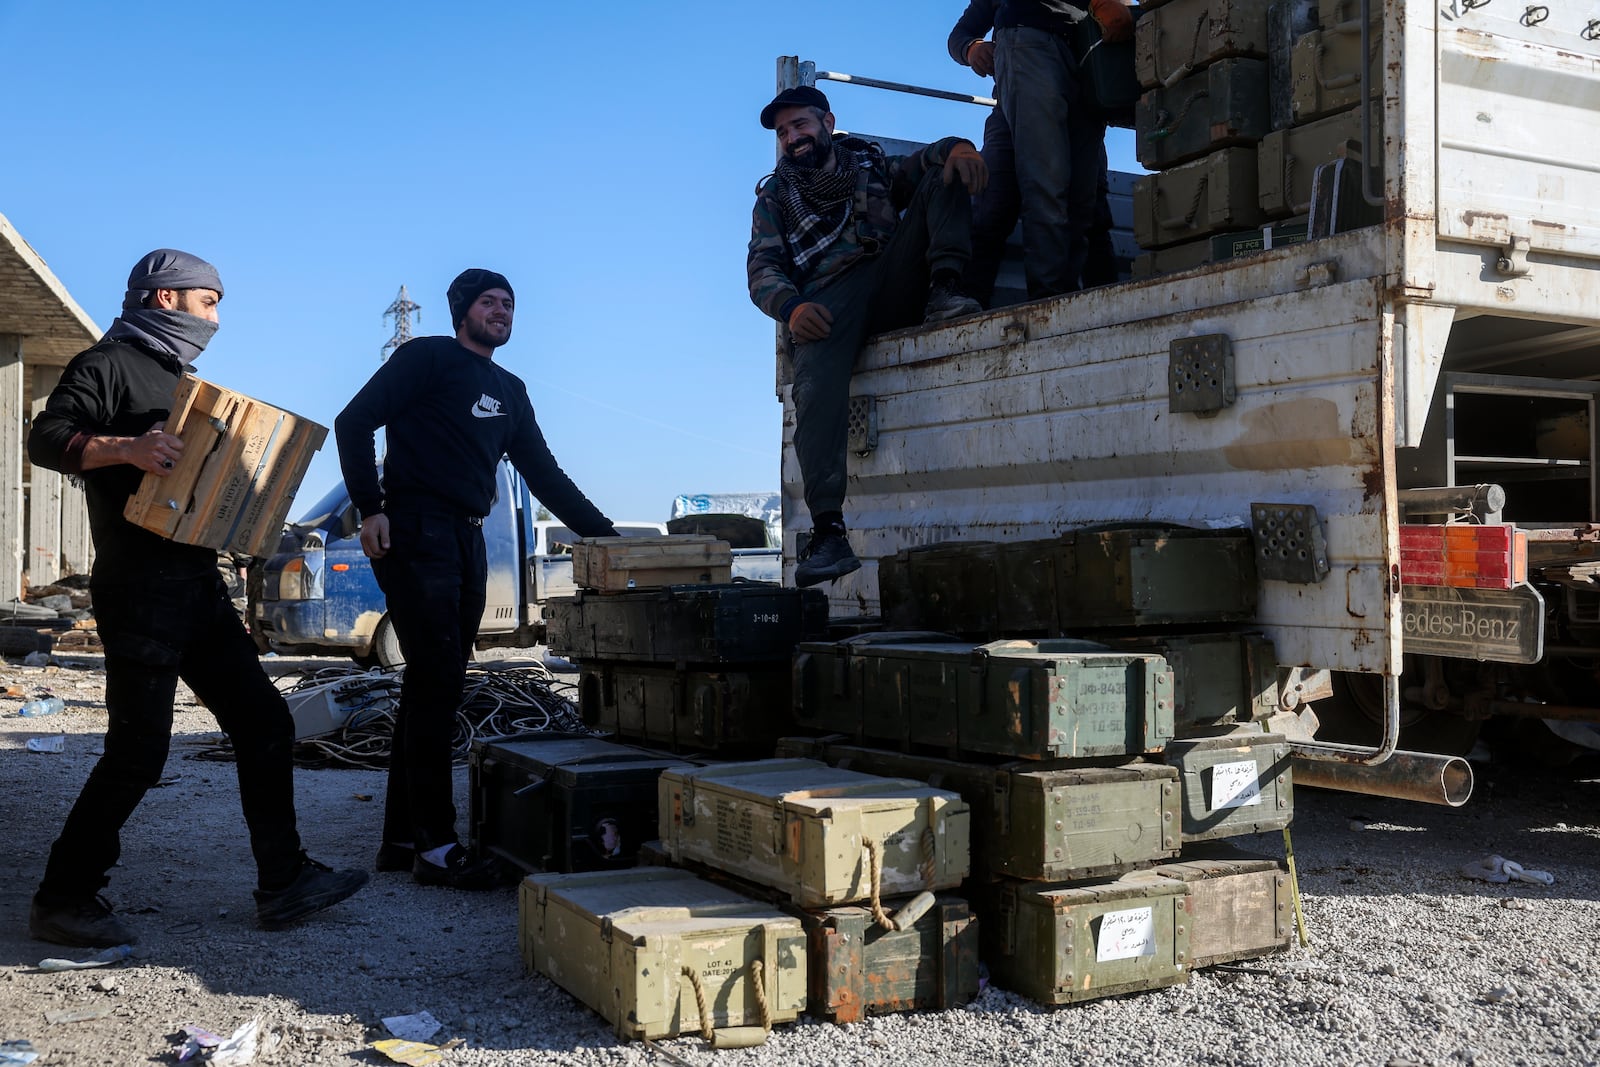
[(115, 389), (451, 414)]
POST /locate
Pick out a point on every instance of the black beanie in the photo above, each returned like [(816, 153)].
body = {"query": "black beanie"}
[(468, 286)]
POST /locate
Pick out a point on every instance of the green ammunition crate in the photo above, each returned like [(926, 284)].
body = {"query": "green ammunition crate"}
[(1039, 822), (859, 968), (808, 829), (1234, 783), (1220, 247), (1240, 906), (743, 623), (1185, 35), (1324, 72), (1222, 105), (978, 589), (1287, 160), (1207, 195), (619, 941), (1024, 699), (726, 712), (1218, 679), (1062, 944)]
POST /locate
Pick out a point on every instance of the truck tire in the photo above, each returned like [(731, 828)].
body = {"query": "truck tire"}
[(386, 645), (1354, 716)]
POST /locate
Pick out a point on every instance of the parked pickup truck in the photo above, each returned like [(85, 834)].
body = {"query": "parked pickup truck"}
[(317, 594)]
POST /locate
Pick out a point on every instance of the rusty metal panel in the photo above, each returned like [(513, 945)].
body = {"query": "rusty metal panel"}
[(1029, 421), (1517, 126)]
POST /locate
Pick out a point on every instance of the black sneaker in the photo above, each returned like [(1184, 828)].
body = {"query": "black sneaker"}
[(84, 923), (395, 857), (317, 886), (461, 870), (827, 557), (945, 301)]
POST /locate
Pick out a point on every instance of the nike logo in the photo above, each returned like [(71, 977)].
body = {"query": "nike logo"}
[(487, 407)]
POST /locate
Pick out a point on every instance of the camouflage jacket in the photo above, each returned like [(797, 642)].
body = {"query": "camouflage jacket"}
[(882, 192)]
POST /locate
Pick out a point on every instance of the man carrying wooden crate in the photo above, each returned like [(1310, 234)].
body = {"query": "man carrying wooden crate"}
[(163, 614), (846, 242), (451, 413)]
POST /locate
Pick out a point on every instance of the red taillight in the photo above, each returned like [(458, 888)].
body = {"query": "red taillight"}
[(1465, 556)]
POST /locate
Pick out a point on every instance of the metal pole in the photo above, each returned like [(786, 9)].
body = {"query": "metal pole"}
[(901, 87), (1419, 776)]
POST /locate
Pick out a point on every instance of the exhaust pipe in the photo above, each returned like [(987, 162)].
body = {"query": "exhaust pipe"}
[(1420, 776)]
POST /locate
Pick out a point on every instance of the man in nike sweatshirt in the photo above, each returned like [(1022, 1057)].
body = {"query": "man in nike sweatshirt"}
[(451, 413)]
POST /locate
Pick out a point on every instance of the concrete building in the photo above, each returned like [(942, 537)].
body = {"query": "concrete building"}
[(44, 525)]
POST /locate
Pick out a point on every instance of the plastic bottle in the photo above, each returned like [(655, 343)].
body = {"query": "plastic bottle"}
[(42, 706)]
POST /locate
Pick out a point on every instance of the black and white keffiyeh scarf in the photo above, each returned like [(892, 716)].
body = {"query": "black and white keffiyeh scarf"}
[(817, 205)]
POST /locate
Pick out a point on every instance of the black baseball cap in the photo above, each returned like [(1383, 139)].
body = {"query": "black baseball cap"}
[(799, 96)]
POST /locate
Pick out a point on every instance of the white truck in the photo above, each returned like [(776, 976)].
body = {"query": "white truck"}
[(1424, 385)]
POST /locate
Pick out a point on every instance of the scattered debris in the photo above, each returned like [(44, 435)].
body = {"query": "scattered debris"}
[(115, 954), (1500, 994), (36, 659), (239, 1049), (196, 1040), (55, 744), (1498, 869), (415, 1053), (17, 1051), (418, 1027), (76, 1015)]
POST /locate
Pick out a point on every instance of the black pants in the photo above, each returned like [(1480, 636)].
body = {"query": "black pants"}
[(155, 633), (433, 579), (886, 292)]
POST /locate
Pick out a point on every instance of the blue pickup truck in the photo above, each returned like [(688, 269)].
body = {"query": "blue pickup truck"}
[(317, 594)]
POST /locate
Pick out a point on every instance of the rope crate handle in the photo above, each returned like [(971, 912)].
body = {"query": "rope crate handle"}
[(733, 1036), (917, 906)]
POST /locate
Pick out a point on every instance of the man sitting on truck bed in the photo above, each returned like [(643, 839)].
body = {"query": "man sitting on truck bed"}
[(451, 413), (832, 258)]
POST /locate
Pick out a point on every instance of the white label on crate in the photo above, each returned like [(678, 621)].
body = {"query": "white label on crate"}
[(1126, 935), (1235, 785)]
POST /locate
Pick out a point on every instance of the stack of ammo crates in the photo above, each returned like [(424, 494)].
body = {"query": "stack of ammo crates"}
[(1100, 773), (1251, 117), (673, 653)]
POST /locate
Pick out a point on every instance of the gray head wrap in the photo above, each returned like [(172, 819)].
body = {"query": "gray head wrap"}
[(173, 333)]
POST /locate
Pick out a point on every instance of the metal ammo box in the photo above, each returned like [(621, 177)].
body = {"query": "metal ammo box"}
[(563, 802), (1234, 783), (1024, 699), (729, 712), (1240, 905), (1066, 943), (621, 942), (859, 968), (809, 830), (1223, 105), (1046, 823), (739, 623)]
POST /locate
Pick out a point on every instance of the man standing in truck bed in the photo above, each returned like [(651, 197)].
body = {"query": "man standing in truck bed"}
[(834, 259), (451, 413), (163, 614)]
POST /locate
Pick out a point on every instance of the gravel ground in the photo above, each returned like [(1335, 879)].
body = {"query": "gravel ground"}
[(1411, 963)]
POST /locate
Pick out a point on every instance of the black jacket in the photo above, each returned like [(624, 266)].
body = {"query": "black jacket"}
[(450, 415), (116, 389)]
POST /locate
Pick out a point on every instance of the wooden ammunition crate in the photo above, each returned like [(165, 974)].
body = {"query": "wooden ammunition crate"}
[(1218, 679), (1225, 104), (859, 968), (1207, 195), (1240, 906), (618, 564), (727, 712), (1184, 35), (1287, 160), (241, 465), (1038, 822), (806, 829), (1053, 699), (619, 941), (1325, 74), (1062, 944), (1234, 783)]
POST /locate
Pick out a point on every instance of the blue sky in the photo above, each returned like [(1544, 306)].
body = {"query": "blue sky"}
[(603, 158)]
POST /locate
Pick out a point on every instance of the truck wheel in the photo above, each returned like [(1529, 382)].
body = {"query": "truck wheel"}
[(1354, 716), (386, 644)]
